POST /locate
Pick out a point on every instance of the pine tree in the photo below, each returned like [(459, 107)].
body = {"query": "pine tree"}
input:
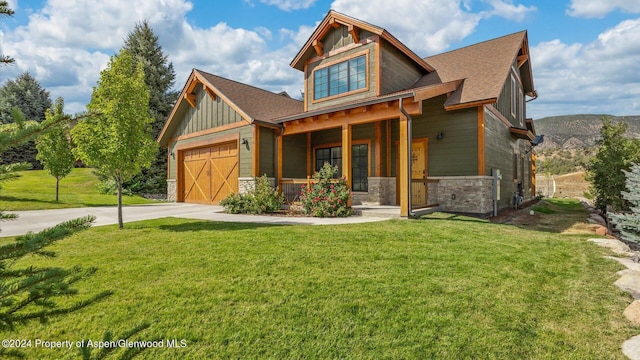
[(26, 94), (615, 154), (5, 11), (629, 223), (159, 75), (54, 148)]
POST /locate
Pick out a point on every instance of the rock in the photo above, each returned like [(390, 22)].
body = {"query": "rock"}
[(629, 263), (597, 219), (631, 348), (632, 312), (616, 246), (601, 230), (630, 282)]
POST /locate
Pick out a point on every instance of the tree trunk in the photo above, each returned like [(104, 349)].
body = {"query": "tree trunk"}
[(119, 182), (57, 188)]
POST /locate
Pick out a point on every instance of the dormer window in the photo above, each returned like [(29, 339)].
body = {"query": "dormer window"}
[(340, 78)]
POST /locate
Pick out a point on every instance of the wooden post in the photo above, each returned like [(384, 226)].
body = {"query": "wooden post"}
[(279, 140), (346, 153), (378, 151), (403, 159), (309, 157)]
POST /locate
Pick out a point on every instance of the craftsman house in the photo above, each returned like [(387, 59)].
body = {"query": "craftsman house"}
[(404, 130)]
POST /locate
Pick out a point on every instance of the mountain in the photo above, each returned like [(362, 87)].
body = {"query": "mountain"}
[(578, 131)]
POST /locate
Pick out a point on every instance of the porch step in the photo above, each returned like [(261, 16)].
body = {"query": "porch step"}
[(425, 211), (390, 212)]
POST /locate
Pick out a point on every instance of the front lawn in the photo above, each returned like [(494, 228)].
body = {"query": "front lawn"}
[(445, 287), (36, 190)]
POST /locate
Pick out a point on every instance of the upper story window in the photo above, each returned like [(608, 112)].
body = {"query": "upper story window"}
[(514, 99), (340, 78)]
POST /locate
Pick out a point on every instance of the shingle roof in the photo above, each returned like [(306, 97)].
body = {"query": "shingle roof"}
[(483, 66), (259, 104)]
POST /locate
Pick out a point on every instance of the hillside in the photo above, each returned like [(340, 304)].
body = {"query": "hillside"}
[(578, 131)]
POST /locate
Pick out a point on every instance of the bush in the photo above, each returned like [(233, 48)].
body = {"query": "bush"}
[(326, 197), (262, 199)]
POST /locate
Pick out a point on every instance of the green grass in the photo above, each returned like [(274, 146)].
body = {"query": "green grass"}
[(36, 190), (442, 287)]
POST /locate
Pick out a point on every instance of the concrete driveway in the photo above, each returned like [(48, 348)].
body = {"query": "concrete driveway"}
[(37, 220)]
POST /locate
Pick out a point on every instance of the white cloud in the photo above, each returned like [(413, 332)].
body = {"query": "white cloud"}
[(599, 77), (600, 8), (289, 5), (428, 28)]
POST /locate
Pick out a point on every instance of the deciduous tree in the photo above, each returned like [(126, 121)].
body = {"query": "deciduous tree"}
[(117, 142), (54, 147)]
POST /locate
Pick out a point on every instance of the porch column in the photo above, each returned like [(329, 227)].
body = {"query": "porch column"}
[(403, 158), (346, 153), (279, 140)]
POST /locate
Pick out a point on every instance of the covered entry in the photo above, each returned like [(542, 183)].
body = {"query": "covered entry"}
[(209, 174)]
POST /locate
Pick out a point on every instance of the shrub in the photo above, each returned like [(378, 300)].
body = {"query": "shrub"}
[(262, 199), (326, 197)]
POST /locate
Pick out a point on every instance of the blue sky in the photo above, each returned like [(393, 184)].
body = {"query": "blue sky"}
[(584, 52)]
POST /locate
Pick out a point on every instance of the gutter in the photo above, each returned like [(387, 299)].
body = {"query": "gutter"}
[(410, 213)]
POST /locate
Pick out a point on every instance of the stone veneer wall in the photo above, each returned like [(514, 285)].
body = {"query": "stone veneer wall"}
[(246, 184), (382, 191), (465, 194), (172, 194)]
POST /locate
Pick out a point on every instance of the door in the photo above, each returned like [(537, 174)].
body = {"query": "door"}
[(210, 173), (419, 166)]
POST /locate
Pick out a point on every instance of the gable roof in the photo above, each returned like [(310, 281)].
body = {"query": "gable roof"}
[(252, 103), (484, 67), (336, 19)]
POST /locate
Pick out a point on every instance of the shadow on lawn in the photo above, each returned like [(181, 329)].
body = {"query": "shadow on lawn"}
[(213, 226), (16, 199)]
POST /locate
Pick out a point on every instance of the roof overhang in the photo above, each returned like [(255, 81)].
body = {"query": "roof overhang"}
[(335, 19), (521, 133)]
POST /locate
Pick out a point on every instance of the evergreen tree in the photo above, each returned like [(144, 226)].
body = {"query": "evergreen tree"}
[(5, 11), (54, 148), (615, 154), (26, 94), (117, 142), (159, 75), (629, 223)]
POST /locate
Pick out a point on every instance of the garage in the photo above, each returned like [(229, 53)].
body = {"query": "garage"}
[(210, 173)]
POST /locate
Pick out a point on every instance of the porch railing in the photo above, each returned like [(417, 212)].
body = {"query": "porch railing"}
[(291, 188)]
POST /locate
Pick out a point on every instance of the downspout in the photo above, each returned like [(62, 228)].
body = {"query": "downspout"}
[(411, 214)]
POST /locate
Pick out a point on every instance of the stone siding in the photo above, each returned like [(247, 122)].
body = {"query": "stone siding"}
[(465, 194), (382, 191), (171, 190), (247, 184)]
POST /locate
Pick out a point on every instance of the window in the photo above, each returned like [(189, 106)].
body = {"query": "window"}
[(521, 108), (515, 167), (340, 78), (360, 167), (513, 96), (359, 163)]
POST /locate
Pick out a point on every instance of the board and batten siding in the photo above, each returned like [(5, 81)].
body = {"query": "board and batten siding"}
[(347, 97), (294, 156), (267, 152), (207, 114), (500, 147), (397, 72), (245, 156), (504, 100)]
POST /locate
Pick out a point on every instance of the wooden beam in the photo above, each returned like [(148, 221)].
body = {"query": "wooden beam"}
[(279, 140), (481, 155), (334, 23), (212, 95), (388, 152), (191, 99), (378, 148), (403, 165), (309, 157), (354, 32), (522, 59), (356, 116), (437, 90), (319, 47), (346, 153)]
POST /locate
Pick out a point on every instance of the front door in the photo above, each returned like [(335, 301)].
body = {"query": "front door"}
[(419, 166)]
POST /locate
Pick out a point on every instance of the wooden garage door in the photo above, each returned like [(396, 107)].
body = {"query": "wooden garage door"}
[(210, 174)]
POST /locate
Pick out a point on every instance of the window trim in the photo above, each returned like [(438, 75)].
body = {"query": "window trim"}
[(336, 144), (521, 106), (513, 96), (366, 88)]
